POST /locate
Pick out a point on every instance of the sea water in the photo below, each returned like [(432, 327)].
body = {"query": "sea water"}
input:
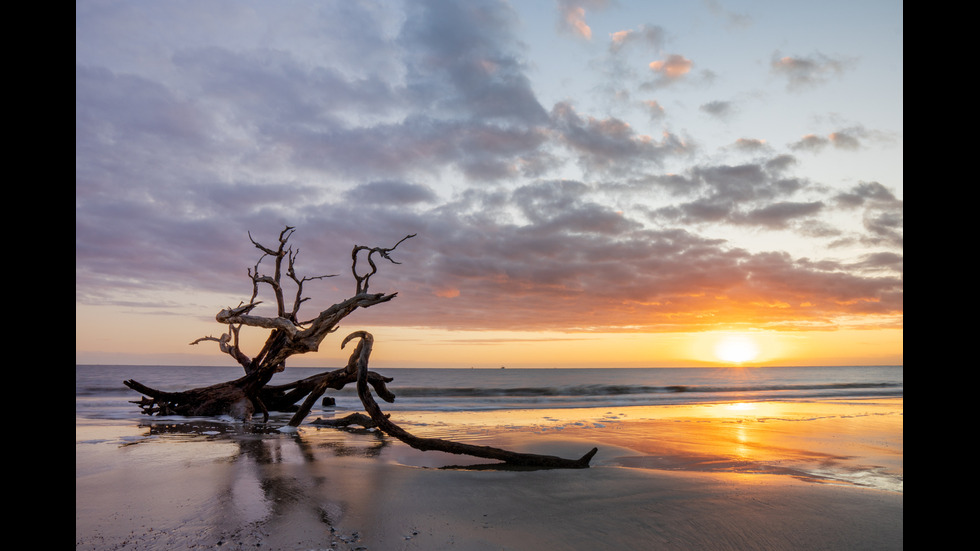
[(818, 423), (99, 389)]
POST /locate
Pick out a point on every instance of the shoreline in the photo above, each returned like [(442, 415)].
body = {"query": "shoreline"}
[(663, 479)]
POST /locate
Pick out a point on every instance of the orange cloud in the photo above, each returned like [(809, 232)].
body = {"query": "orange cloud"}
[(619, 37), (450, 292), (575, 19), (675, 66)]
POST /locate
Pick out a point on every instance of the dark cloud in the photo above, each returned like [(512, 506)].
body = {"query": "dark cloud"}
[(391, 193), (750, 145), (779, 215), (754, 194), (780, 163), (719, 109), (746, 182), (884, 260), (846, 139), (810, 142), (803, 72), (611, 145), (885, 226), (867, 192), (655, 110), (461, 62), (882, 213)]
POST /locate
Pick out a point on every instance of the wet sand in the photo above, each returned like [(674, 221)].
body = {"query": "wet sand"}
[(733, 476)]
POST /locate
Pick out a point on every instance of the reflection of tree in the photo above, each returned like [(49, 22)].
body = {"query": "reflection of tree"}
[(258, 458), (340, 449), (211, 430)]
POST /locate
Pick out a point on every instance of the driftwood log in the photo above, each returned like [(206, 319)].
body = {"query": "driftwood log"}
[(242, 398), (288, 335), (358, 419), (426, 444)]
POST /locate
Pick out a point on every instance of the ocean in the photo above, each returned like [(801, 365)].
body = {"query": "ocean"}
[(99, 392), (841, 424)]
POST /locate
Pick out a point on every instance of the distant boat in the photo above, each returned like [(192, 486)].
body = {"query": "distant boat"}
[(502, 367)]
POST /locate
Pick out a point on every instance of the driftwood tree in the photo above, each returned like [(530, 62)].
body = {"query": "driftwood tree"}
[(251, 394)]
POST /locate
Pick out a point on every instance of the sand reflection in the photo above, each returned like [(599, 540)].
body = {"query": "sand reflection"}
[(828, 442)]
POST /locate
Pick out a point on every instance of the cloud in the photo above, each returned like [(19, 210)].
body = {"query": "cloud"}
[(649, 36), (112, 108), (809, 142), (618, 277), (610, 144), (672, 68), (803, 72), (885, 227), (844, 140), (655, 110), (462, 62), (391, 192), (571, 16), (883, 213), (750, 144), (732, 19), (864, 193), (751, 194), (848, 139), (719, 109), (744, 182), (427, 120), (778, 215)]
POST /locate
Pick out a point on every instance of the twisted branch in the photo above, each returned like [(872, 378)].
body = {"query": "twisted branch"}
[(424, 444), (362, 280)]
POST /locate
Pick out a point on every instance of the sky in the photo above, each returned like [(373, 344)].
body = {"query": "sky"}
[(592, 183)]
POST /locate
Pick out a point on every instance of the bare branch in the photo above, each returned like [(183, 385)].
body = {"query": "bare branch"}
[(362, 280), (225, 343), (291, 272), (276, 278), (281, 324)]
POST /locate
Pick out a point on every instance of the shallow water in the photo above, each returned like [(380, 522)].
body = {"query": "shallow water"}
[(836, 425)]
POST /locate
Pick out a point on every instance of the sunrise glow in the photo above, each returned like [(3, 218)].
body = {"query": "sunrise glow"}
[(736, 349)]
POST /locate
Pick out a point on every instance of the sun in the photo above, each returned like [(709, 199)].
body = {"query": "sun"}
[(736, 349)]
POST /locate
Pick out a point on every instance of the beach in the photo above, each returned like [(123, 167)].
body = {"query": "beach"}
[(800, 474)]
